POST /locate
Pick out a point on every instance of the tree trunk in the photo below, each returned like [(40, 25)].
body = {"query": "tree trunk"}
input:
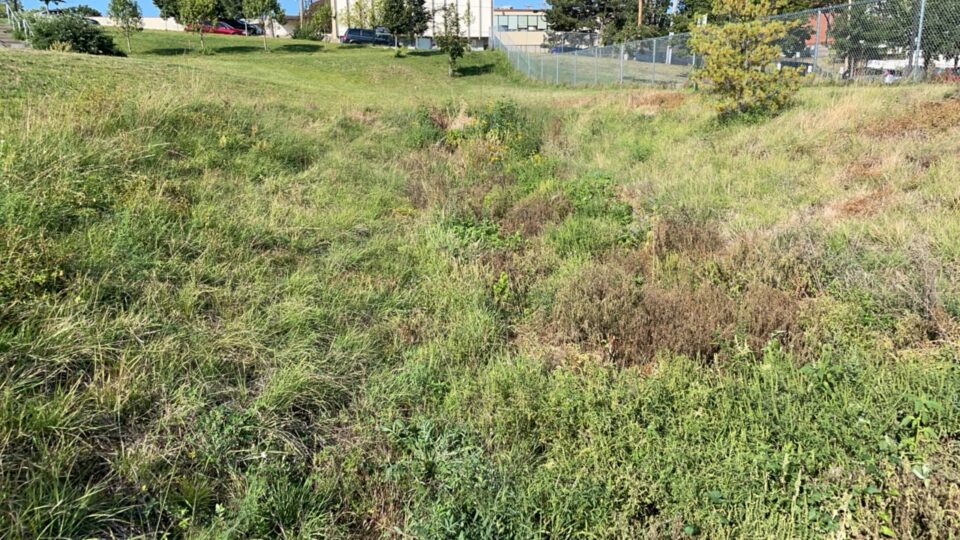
[(129, 48), (263, 32), (201, 38)]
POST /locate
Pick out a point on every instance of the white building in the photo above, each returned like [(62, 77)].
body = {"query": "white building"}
[(476, 29)]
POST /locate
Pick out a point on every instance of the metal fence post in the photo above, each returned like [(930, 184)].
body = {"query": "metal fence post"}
[(654, 60), (558, 67), (541, 66), (621, 63), (575, 67), (816, 44), (916, 49), (596, 65)]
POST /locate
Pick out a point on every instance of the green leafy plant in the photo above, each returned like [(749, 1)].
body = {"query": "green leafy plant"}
[(71, 33), (739, 58), (450, 41), (263, 11), (194, 13), (126, 15)]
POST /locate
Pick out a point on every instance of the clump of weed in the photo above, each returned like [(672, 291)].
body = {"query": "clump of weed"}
[(532, 214), (504, 125), (767, 313), (682, 232), (917, 498), (605, 308)]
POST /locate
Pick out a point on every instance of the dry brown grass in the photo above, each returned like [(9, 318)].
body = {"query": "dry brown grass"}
[(864, 204), (767, 313), (531, 215), (661, 100), (682, 232), (605, 309), (925, 118)]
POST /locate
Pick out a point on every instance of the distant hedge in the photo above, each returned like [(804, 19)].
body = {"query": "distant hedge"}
[(71, 33)]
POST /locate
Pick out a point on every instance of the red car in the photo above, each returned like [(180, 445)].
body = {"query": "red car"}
[(218, 28)]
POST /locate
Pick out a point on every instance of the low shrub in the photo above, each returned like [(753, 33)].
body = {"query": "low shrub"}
[(684, 233), (606, 308), (71, 33)]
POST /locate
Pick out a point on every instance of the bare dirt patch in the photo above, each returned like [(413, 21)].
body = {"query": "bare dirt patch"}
[(864, 204)]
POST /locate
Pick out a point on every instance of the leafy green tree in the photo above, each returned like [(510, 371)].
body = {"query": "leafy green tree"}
[(322, 18), (861, 35), (941, 32), (83, 10), (126, 15), (450, 41), (394, 18), (738, 57), (614, 20), (263, 11), (223, 9), (418, 16), (362, 13), (194, 13), (46, 3)]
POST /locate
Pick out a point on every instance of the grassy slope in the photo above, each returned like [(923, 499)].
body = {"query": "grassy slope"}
[(301, 293)]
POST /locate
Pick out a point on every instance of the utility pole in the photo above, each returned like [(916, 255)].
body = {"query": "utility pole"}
[(639, 13), (301, 13)]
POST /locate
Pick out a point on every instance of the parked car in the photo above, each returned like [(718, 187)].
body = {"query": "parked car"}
[(560, 49), (365, 36), (217, 28), (249, 28), (804, 67)]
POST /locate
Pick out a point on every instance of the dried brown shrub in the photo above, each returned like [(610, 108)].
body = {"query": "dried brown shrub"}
[(531, 215), (684, 233), (604, 308), (767, 313)]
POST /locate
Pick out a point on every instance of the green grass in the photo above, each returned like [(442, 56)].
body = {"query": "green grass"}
[(320, 292)]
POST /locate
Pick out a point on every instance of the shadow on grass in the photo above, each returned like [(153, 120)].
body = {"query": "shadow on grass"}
[(169, 51), (299, 48), (238, 49), (470, 71), (425, 53)]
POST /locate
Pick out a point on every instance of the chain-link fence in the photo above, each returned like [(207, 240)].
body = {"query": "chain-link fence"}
[(881, 40)]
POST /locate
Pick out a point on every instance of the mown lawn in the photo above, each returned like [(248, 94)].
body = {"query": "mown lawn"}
[(322, 292)]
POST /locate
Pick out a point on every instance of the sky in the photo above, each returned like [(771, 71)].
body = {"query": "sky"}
[(290, 6)]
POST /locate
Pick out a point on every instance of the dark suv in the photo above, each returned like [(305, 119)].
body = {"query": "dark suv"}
[(362, 35)]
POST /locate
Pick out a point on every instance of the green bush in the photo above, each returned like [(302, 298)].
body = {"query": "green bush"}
[(738, 59), (81, 35)]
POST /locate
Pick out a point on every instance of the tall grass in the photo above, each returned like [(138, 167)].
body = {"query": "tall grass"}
[(241, 308)]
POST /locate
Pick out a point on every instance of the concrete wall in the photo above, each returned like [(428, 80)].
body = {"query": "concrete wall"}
[(149, 23), (274, 29)]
